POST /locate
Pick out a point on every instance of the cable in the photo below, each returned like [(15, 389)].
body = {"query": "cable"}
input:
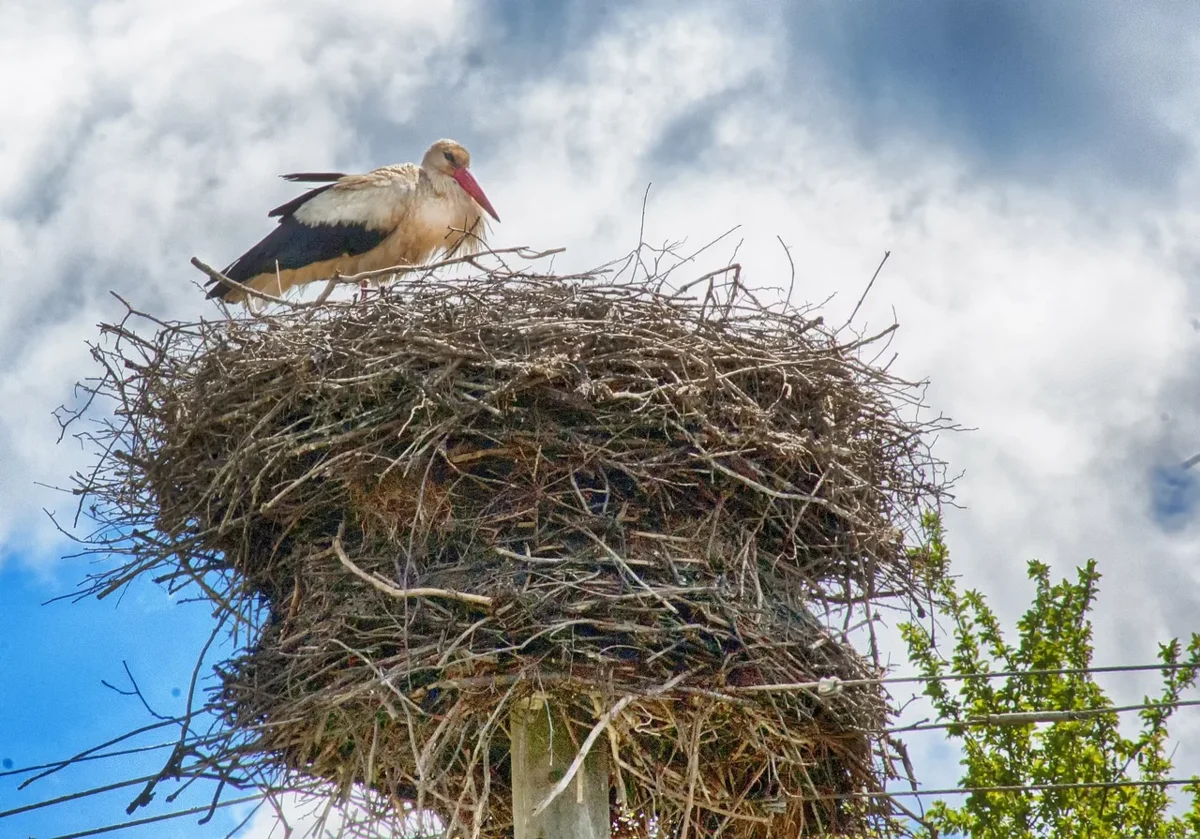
[(152, 819), (832, 683), (62, 799), (189, 773), (1031, 717), (1166, 782), (824, 687)]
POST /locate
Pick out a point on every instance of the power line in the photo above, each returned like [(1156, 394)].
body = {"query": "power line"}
[(1032, 717), (1049, 787), (834, 684), (825, 687), (62, 799), (828, 686), (191, 773), (206, 808), (997, 788)]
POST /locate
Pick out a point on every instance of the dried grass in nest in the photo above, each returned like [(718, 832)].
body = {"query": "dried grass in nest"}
[(475, 490)]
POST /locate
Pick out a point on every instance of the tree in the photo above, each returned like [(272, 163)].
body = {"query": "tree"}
[(1081, 747)]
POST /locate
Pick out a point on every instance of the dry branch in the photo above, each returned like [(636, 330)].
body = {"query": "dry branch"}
[(387, 588)]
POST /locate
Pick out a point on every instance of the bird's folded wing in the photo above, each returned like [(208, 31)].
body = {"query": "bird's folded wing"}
[(376, 200), (345, 218)]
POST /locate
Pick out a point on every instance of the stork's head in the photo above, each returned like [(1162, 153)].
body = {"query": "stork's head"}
[(449, 158)]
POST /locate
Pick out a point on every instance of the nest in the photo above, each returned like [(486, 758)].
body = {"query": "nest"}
[(473, 492)]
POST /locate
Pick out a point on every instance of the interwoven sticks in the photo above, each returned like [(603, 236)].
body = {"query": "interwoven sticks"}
[(475, 490)]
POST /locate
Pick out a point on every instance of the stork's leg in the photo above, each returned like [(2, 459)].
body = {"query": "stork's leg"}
[(362, 293)]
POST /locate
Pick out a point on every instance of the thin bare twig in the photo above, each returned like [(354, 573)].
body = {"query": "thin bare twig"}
[(405, 593), (867, 290), (599, 728)]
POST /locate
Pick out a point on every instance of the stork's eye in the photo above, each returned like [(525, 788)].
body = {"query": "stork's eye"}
[(449, 157)]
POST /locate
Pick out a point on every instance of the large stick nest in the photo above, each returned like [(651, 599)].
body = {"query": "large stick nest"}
[(474, 490)]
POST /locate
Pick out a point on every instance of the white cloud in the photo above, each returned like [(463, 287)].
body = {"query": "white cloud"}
[(1060, 331)]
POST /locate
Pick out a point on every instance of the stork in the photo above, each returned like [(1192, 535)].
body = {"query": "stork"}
[(398, 215)]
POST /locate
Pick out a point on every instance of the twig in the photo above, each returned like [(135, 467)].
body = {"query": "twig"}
[(522, 251), (135, 691), (589, 741), (624, 566), (405, 593), (51, 768), (792, 269), (867, 290), (692, 776), (234, 284), (330, 285), (642, 233)]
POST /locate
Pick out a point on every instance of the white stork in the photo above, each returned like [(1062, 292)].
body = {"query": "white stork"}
[(392, 216)]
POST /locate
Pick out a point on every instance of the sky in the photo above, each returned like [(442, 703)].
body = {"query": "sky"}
[(1031, 167)]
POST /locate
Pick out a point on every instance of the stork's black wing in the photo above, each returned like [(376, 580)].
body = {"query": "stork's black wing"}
[(295, 244)]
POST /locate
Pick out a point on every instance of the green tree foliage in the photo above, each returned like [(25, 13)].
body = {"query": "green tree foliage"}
[(1085, 747)]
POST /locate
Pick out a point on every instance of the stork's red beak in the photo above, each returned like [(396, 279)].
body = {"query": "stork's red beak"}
[(467, 181)]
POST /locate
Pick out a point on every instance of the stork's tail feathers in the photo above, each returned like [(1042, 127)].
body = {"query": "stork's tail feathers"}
[(313, 177)]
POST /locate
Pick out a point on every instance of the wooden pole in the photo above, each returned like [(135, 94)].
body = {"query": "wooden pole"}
[(542, 750)]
